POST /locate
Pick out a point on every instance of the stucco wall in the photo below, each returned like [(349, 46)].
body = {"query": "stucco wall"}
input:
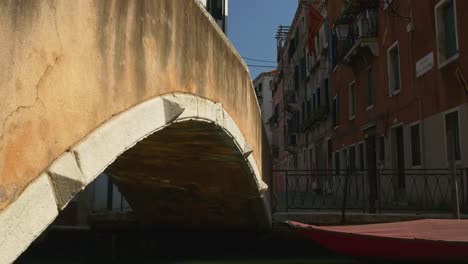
[(68, 66)]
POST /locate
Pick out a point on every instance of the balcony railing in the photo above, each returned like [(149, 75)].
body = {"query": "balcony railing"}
[(363, 32)]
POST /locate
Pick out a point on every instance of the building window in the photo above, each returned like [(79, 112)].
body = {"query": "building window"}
[(296, 77), (370, 88), (215, 7), (446, 31), (361, 156), (275, 116), (381, 157), (314, 101), (352, 101), (452, 135), (337, 162), (319, 100), (327, 93), (303, 112), (329, 154), (335, 111), (352, 158), (295, 161), (345, 159), (415, 145), (302, 73), (260, 87), (393, 56)]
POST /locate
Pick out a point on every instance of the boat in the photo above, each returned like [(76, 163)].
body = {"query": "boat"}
[(428, 240)]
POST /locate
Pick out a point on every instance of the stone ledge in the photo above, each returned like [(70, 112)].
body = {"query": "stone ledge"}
[(25, 219)]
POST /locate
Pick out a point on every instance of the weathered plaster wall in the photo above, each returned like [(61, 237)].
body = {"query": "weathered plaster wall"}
[(68, 66)]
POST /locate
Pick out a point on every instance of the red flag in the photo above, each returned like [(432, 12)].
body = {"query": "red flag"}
[(315, 22)]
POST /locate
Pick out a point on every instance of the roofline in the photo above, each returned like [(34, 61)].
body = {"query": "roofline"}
[(264, 74)]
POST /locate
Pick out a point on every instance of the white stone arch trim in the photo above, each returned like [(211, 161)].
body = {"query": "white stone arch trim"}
[(33, 211)]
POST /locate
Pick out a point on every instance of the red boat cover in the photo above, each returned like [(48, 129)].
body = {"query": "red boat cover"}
[(428, 229)]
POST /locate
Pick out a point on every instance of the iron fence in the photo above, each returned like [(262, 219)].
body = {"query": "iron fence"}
[(419, 189), (429, 190)]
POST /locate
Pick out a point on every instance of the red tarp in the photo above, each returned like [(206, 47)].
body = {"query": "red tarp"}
[(421, 240), (428, 229)]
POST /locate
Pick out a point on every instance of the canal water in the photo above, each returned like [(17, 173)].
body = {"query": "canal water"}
[(167, 246)]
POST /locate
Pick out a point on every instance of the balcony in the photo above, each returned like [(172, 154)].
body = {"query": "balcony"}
[(359, 36), (319, 115)]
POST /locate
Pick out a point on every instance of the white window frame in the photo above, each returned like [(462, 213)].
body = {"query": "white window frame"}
[(352, 84), (437, 7), (417, 123), (389, 69), (456, 109)]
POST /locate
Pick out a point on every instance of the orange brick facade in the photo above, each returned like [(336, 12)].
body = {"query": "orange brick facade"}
[(419, 98)]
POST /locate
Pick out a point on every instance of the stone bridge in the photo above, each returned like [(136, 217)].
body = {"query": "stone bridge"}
[(150, 91)]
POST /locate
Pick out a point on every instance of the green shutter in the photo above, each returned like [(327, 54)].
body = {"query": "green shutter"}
[(449, 24)]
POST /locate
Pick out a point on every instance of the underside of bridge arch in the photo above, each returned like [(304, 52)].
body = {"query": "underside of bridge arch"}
[(179, 159), (190, 174)]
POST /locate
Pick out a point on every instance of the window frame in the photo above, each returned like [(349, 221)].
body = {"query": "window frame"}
[(437, 9), (391, 91), (420, 145), (457, 109)]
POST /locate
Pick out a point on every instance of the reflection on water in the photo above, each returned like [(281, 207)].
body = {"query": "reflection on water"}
[(156, 246)]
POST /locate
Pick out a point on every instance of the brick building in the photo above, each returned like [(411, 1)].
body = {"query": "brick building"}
[(391, 92), (398, 84), (301, 94), (263, 85)]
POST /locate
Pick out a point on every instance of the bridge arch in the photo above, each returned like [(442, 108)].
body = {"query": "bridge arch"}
[(68, 68), (39, 204)]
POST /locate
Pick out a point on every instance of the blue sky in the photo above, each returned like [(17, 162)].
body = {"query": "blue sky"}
[(252, 27)]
